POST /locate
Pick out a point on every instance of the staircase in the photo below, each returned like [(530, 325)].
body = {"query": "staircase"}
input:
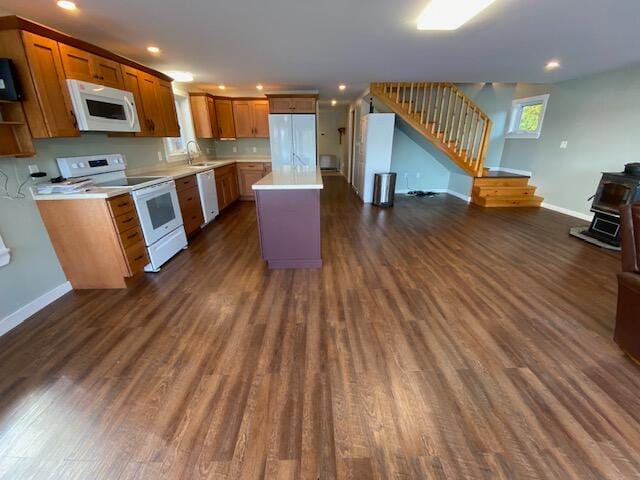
[(499, 189), (453, 123), (443, 114)]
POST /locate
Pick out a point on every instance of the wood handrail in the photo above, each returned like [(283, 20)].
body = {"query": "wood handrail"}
[(445, 115)]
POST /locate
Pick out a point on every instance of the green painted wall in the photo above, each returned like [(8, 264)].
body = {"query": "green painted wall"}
[(599, 116)]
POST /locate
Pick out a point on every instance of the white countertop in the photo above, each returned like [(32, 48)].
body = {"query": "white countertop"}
[(309, 178), (172, 171)]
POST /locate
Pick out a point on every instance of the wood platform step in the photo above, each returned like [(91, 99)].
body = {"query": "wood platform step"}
[(504, 191), (503, 201), (501, 182)]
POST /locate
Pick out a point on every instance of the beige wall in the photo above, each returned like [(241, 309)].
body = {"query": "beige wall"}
[(329, 120)]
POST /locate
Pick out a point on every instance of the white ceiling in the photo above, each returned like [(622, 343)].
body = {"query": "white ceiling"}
[(302, 44)]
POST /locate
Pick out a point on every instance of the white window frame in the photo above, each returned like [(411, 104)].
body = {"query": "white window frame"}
[(516, 113), (187, 132)]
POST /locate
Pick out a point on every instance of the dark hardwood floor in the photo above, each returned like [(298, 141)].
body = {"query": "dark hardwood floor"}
[(439, 341)]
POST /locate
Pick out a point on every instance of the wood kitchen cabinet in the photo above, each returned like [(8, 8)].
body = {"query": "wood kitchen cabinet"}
[(167, 108), (224, 115), (82, 65), (248, 174), (203, 111), (227, 185), (292, 104), (251, 118), (190, 206), (99, 242), (47, 104)]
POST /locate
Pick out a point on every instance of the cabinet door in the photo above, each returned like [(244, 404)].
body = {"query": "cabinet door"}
[(201, 116), (220, 191), (233, 180), (78, 64), (153, 115), (260, 118), (133, 82), (242, 119), (49, 82), (280, 105), (190, 209), (266, 169), (211, 108), (246, 178), (224, 114), (303, 105), (168, 109), (108, 71)]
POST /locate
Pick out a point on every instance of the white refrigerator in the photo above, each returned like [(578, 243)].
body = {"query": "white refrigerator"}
[(293, 140)]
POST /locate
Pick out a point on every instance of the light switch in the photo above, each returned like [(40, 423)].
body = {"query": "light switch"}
[(564, 144)]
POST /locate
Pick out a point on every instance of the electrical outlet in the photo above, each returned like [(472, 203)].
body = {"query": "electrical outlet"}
[(406, 175), (33, 169), (234, 149), (209, 151), (417, 174), (160, 159), (564, 144), (254, 150)]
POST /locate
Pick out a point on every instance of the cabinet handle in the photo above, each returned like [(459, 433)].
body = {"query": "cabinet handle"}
[(139, 257), (74, 119), (153, 125), (123, 204), (128, 220), (189, 199), (96, 76)]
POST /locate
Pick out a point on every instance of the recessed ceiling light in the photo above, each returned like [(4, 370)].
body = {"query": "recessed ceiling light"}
[(334, 103), (342, 87), (221, 87), (153, 49), (259, 87), (450, 14), (552, 65), (67, 5), (181, 76)]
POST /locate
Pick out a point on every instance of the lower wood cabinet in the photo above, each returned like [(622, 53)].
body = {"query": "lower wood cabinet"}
[(98, 242), (190, 207), (227, 185), (248, 174)]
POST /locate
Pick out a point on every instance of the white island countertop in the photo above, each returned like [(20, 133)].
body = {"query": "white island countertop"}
[(291, 179)]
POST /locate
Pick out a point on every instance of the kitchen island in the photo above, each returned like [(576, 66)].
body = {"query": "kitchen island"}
[(288, 209)]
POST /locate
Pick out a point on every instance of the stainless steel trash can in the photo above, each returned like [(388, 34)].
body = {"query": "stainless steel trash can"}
[(384, 189)]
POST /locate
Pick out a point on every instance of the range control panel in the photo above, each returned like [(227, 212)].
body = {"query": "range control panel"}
[(72, 167)]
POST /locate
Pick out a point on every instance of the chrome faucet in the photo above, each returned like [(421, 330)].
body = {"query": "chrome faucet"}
[(189, 151)]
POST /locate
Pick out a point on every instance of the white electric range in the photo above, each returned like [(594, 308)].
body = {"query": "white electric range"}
[(155, 198)]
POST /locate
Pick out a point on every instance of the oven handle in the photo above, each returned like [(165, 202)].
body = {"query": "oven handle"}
[(154, 189), (129, 104)]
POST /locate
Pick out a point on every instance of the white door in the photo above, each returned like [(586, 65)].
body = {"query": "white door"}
[(304, 140), (281, 139)]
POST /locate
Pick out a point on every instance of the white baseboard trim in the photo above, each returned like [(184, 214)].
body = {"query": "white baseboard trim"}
[(566, 211), (526, 173), (438, 190), (16, 318)]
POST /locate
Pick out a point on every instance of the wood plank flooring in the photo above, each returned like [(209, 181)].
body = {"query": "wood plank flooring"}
[(440, 341)]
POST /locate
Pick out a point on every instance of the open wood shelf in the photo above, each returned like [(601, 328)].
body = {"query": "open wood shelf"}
[(15, 137)]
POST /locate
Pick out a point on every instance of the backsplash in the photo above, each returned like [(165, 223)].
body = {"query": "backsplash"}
[(244, 147)]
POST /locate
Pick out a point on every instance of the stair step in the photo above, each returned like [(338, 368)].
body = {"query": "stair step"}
[(502, 191), (518, 201), (501, 182)]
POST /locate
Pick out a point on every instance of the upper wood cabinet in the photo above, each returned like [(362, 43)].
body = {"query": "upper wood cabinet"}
[(168, 109), (47, 102), (203, 111), (81, 65), (132, 79), (224, 115), (279, 104), (251, 118)]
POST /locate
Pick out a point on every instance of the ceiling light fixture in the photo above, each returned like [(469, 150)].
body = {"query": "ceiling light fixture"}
[(67, 5), (153, 49), (334, 103), (450, 14), (181, 76), (552, 65), (342, 87), (221, 87), (259, 86)]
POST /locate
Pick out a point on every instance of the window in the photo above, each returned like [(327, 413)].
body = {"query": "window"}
[(176, 147), (527, 115)]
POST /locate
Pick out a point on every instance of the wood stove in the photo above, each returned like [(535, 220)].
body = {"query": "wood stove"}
[(614, 191)]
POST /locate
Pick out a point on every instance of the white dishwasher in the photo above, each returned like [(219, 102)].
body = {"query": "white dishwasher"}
[(208, 195)]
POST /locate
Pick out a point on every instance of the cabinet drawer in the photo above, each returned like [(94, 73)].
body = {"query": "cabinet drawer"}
[(226, 170), (188, 197), (127, 221), (250, 166), (131, 236), (186, 183), (120, 205), (137, 257)]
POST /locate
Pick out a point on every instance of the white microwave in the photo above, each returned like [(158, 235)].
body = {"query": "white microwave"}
[(103, 109)]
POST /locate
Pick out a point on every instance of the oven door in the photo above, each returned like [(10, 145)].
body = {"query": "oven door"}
[(158, 210), (103, 109)]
